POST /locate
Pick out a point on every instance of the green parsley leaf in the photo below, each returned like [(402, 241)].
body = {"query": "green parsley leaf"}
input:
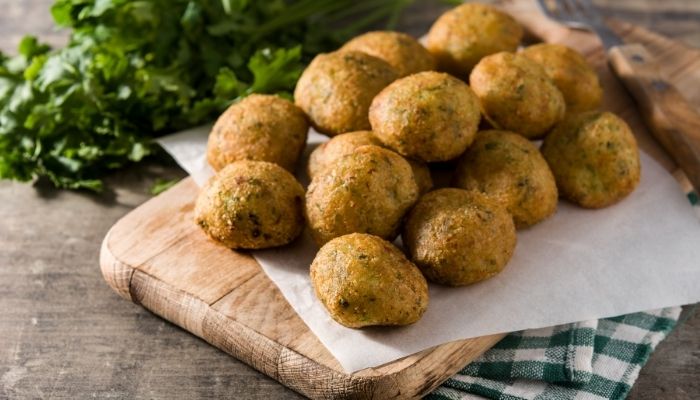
[(136, 70)]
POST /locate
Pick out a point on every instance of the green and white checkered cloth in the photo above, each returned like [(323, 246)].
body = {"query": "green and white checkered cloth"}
[(594, 360)]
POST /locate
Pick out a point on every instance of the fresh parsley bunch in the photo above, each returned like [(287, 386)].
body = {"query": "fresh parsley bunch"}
[(137, 69)]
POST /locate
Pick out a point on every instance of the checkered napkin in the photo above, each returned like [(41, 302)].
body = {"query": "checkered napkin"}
[(598, 359), (595, 360)]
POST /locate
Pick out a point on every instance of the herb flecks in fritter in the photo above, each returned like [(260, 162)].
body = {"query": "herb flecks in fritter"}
[(327, 153), (251, 205), (399, 50), (571, 73), (459, 237), (466, 34), (368, 191), (510, 169), (517, 95), (594, 158), (336, 90), (259, 128), (429, 116), (363, 280)]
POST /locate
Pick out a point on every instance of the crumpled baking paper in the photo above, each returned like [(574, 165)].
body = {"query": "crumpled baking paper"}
[(640, 254)]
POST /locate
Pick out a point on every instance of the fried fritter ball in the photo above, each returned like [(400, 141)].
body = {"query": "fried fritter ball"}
[(509, 169), (251, 205), (339, 146), (260, 128), (368, 191), (429, 116), (458, 237), (466, 34), (421, 173), (399, 50), (594, 158), (336, 90), (571, 73), (363, 280), (517, 95)]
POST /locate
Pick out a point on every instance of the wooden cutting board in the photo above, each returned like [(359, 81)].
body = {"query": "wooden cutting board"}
[(156, 257)]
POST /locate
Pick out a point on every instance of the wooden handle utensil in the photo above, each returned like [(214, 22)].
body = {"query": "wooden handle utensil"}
[(672, 120)]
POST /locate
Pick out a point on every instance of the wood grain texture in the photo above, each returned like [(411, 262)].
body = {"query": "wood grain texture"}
[(669, 116), (65, 334), (170, 267)]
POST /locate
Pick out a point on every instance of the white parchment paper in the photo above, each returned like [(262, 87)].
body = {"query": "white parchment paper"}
[(640, 254)]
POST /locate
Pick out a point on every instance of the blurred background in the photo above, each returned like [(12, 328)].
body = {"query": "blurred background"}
[(675, 18)]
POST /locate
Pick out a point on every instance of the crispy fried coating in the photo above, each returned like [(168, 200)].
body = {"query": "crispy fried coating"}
[(260, 128), (251, 205), (459, 237), (336, 89), (398, 49), (429, 116), (363, 280), (594, 158), (339, 146), (509, 169), (461, 37), (368, 191), (571, 73), (517, 95)]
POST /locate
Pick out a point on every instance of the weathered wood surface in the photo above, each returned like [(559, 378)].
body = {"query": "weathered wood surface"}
[(64, 334)]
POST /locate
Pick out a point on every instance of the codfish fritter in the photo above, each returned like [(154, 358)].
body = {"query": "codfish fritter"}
[(363, 280), (510, 169), (429, 116), (344, 144), (517, 95), (461, 37), (458, 237), (399, 50), (594, 158), (251, 205), (337, 88), (368, 191)]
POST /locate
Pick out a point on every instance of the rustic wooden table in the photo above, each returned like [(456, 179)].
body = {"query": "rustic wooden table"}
[(65, 334)]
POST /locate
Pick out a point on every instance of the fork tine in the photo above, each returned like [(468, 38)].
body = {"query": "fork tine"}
[(572, 10), (580, 14)]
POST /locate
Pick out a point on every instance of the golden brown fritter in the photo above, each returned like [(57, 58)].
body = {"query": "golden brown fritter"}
[(458, 237), (368, 191), (251, 205), (260, 128), (421, 173), (517, 95), (339, 146), (429, 116), (399, 50), (336, 90), (509, 169), (571, 73), (466, 34), (363, 280), (329, 152), (594, 158)]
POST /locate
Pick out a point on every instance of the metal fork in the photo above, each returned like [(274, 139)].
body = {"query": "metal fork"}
[(669, 116), (580, 14)]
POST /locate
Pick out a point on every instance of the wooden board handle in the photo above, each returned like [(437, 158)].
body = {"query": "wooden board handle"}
[(672, 120)]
